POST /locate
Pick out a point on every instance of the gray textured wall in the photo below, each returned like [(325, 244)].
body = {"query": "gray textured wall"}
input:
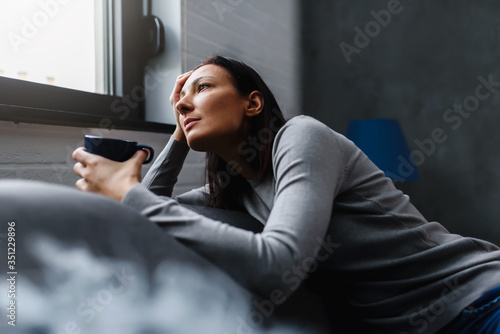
[(262, 33), (419, 66)]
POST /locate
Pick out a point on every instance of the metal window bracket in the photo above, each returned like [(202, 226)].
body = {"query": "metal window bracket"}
[(154, 36), (152, 31)]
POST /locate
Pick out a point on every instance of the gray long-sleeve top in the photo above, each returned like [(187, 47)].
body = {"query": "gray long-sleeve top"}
[(328, 206)]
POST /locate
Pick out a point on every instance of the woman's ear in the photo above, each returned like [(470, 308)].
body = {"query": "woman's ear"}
[(255, 104)]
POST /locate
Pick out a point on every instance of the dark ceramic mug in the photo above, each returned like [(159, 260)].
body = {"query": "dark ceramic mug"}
[(116, 149)]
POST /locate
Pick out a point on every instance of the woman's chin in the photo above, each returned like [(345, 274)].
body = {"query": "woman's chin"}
[(202, 141), (197, 144)]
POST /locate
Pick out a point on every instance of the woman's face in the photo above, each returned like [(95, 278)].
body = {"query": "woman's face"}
[(212, 111)]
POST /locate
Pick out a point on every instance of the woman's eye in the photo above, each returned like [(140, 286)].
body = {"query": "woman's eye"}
[(202, 87)]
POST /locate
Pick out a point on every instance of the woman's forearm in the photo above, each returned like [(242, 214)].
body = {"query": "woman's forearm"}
[(162, 176)]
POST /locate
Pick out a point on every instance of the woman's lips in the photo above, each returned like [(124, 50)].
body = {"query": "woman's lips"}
[(189, 123)]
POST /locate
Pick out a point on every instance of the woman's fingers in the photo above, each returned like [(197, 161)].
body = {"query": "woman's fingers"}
[(79, 169), (174, 99), (81, 184), (107, 177), (184, 76), (81, 155), (179, 83), (85, 162), (139, 157)]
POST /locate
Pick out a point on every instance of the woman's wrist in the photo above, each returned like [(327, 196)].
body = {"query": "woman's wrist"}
[(179, 135), (126, 189)]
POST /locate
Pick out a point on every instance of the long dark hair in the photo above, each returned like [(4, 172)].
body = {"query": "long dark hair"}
[(225, 184)]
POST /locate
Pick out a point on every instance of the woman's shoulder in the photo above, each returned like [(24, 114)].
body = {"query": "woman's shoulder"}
[(305, 145), (303, 121), (306, 134), (303, 127)]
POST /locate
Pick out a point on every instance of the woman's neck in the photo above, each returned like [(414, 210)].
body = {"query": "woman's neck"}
[(234, 159), (230, 150)]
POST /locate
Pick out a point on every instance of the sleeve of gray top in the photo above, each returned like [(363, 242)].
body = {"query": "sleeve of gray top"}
[(162, 176), (308, 167)]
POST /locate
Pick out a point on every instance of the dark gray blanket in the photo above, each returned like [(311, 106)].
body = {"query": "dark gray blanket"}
[(83, 263)]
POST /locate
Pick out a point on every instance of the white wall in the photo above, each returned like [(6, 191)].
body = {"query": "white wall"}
[(263, 33)]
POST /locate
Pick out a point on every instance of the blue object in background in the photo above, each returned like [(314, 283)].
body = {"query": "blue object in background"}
[(382, 140)]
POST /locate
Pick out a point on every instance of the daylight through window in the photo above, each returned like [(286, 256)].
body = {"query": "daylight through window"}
[(56, 42)]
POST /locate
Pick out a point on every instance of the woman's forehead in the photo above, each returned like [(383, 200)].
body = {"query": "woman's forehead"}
[(209, 70)]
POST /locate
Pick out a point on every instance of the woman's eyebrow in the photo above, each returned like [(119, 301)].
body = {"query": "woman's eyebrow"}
[(195, 82)]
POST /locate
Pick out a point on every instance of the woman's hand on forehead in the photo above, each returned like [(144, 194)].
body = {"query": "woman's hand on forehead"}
[(174, 99), (179, 84)]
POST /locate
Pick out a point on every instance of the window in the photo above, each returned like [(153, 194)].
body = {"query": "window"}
[(44, 40), (76, 62)]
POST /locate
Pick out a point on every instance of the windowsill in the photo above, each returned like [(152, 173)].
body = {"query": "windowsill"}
[(19, 114)]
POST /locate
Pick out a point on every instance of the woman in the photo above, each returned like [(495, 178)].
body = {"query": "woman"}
[(327, 210)]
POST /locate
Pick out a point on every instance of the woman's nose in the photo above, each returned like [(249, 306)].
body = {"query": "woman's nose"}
[(184, 105)]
